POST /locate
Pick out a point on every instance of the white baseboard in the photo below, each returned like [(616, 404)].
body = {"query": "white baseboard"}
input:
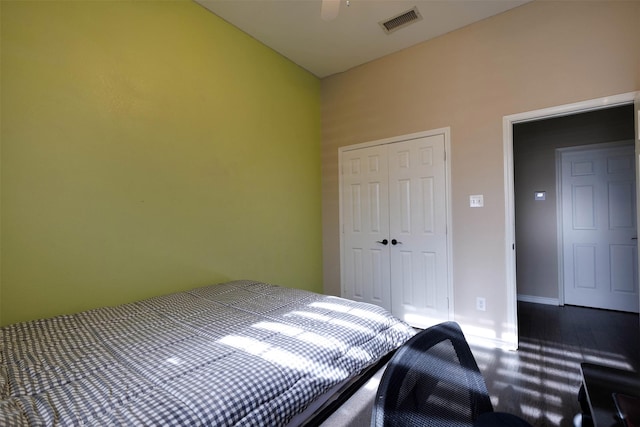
[(539, 300), (487, 338), (487, 342)]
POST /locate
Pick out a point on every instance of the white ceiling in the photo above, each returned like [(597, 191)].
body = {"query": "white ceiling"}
[(295, 29)]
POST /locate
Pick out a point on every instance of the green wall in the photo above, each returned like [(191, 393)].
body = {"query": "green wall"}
[(149, 147)]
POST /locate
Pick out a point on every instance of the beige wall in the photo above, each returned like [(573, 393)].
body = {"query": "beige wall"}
[(539, 55)]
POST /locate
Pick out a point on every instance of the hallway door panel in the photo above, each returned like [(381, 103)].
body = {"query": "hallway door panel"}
[(599, 231)]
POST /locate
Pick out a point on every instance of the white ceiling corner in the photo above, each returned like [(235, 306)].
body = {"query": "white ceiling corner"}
[(295, 29)]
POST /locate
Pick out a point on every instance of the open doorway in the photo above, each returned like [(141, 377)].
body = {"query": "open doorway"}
[(538, 224), (510, 227)]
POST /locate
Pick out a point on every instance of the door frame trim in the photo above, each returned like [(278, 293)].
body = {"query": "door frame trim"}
[(446, 132), (559, 194), (509, 195)]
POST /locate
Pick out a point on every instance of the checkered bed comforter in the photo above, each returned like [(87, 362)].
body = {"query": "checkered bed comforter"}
[(238, 353)]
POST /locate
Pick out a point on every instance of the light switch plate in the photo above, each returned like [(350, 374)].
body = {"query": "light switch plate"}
[(540, 195), (476, 201)]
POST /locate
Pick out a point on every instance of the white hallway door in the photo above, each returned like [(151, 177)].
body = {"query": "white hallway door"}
[(599, 228), (394, 228)]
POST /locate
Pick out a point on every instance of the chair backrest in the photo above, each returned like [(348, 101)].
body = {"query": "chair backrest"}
[(432, 380)]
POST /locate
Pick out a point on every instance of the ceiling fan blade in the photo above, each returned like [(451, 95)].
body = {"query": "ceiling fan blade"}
[(329, 9)]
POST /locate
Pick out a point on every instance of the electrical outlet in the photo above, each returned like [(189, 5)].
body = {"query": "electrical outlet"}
[(481, 304)]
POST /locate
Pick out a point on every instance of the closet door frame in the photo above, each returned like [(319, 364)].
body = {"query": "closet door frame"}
[(446, 133)]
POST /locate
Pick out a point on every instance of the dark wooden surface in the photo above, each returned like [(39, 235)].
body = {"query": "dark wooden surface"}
[(540, 381), (601, 383)]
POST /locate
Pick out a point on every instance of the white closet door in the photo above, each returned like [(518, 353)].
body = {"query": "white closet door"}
[(365, 220), (417, 205), (599, 228)]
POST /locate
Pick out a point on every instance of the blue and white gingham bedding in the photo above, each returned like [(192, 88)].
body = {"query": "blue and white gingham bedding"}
[(238, 353)]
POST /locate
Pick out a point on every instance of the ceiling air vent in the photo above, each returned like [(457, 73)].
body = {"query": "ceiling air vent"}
[(401, 20)]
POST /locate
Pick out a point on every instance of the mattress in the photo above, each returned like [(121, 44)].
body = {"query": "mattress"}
[(238, 353)]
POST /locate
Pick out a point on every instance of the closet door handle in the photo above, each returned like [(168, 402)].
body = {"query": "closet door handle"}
[(395, 242), (384, 242)]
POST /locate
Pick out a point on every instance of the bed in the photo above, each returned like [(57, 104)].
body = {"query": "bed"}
[(237, 353)]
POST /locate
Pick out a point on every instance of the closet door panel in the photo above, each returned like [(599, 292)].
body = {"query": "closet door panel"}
[(394, 232), (365, 222), (417, 225)]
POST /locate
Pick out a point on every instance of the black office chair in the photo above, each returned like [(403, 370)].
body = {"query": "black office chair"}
[(433, 380)]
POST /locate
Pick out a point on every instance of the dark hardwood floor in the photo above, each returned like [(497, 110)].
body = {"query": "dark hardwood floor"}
[(540, 381)]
